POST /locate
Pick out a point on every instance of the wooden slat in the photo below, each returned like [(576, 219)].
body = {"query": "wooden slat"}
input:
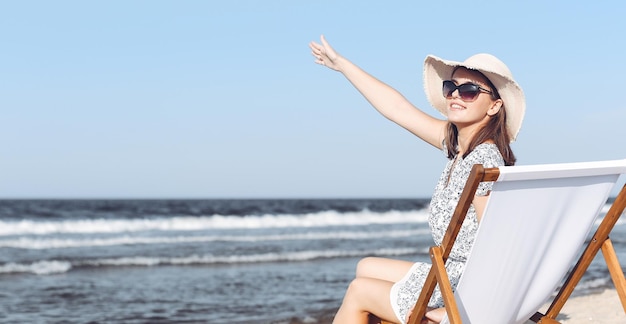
[(547, 320), (444, 285), (615, 269)]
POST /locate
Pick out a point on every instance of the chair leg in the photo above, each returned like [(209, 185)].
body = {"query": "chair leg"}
[(444, 285), (615, 269), (419, 310), (597, 242)]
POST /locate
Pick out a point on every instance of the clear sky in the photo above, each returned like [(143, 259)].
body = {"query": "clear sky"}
[(221, 99)]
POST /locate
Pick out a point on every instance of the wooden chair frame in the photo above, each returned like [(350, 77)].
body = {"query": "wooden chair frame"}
[(600, 240), (439, 255)]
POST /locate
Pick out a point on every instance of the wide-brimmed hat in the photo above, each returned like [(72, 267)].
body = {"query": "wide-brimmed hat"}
[(436, 70)]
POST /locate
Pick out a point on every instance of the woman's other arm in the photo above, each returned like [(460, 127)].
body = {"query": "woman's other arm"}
[(388, 101)]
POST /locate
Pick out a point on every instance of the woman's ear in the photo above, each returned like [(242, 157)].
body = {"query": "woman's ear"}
[(495, 107)]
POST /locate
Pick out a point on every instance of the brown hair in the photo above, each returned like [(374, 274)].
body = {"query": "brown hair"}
[(494, 130)]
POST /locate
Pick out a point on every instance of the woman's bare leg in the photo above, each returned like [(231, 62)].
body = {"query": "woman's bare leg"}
[(365, 296), (369, 291)]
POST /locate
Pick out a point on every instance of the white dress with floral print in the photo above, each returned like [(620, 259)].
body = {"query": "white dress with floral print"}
[(405, 292)]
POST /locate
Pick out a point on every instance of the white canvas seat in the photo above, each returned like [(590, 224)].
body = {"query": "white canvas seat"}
[(533, 230)]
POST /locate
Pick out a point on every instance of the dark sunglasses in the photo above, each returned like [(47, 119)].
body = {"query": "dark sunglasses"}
[(467, 91)]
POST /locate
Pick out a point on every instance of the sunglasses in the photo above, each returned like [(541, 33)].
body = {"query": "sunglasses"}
[(467, 91)]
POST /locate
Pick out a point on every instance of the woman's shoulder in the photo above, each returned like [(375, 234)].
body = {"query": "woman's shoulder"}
[(486, 154)]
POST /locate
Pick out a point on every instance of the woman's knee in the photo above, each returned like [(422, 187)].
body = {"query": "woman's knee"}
[(368, 267), (357, 289), (368, 295)]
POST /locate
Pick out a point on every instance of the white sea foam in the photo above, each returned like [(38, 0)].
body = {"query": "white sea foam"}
[(322, 219), (39, 243), (39, 267), (254, 258), (595, 283), (54, 266)]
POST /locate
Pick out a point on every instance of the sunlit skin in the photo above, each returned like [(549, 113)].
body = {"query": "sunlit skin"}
[(470, 116), (368, 292)]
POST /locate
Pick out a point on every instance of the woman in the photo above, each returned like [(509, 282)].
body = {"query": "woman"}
[(484, 107)]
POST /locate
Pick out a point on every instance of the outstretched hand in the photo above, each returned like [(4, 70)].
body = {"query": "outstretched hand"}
[(324, 54)]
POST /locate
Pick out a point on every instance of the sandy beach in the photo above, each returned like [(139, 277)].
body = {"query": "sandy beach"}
[(602, 307)]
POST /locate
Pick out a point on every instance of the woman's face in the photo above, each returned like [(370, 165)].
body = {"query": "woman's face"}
[(475, 113)]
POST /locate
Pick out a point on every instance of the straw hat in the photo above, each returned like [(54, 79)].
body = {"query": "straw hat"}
[(436, 70)]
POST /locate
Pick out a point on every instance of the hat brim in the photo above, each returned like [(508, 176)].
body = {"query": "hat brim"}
[(436, 70)]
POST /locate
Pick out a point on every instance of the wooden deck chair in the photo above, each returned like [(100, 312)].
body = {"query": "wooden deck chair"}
[(535, 225)]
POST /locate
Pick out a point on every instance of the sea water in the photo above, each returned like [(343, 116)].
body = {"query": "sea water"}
[(203, 261)]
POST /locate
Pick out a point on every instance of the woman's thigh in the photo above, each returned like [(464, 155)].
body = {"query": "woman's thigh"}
[(382, 268)]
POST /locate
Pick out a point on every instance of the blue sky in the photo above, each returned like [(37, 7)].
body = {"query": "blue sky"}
[(221, 99)]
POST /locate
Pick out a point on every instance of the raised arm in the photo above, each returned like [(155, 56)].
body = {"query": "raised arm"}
[(388, 101)]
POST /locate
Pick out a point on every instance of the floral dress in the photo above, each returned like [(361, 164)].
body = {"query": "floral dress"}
[(405, 292)]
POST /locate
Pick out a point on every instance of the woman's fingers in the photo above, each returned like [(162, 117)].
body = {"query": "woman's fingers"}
[(317, 52), (324, 54)]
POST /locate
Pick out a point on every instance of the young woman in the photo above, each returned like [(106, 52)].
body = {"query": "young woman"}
[(484, 108)]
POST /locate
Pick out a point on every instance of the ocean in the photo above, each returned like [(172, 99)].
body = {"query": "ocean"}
[(204, 261)]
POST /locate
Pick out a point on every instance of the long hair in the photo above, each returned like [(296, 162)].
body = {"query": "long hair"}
[(494, 130)]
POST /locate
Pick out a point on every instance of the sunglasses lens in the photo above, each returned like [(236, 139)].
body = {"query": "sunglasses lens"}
[(468, 91), (448, 88)]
